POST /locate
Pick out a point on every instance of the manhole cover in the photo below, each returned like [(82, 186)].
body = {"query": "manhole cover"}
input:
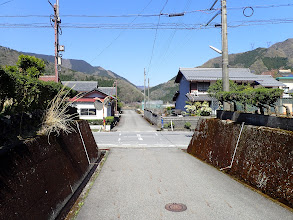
[(175, 207)]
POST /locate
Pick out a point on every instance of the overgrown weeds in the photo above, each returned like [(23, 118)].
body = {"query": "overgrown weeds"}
[(56, 118)]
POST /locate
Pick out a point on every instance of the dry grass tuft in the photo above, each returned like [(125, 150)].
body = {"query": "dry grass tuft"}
[(56, 119)]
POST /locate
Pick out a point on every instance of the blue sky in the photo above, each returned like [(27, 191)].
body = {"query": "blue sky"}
[(128, 51)]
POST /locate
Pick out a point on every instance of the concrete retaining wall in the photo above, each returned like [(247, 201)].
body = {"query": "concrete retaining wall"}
[(256, 119), (263, 158), (38, 177)]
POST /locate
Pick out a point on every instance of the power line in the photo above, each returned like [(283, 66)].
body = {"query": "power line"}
[(156, 37), (148, 26), (121, 32), (6, 2), (148, 15)]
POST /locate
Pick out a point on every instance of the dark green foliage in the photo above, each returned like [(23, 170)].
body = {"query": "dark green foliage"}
[(110, 120), (164, 92), (247, 58), (69, 77), (95, 121), (259, 97), (217, 65), (30, 65), (105, 82), (187, 125), (26, 93), (275, 62)]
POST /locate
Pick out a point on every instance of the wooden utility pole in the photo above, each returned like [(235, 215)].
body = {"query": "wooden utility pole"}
[(58, 48), (116, 97), (56, 26), (144, 90), (225, 61), (149, 92)]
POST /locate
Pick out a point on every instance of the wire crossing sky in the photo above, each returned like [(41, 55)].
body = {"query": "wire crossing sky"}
[(128, 36)]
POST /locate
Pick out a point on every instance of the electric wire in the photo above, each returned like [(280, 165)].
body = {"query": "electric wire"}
[(120, 34), (170, 39), (4, 3), (207, 11), (152, 54), (148, 26)]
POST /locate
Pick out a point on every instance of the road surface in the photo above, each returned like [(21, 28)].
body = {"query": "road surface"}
[(150, 171), (131, 121)]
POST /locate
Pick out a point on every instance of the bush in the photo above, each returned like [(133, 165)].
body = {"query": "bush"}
[(27, 93), (187, 125), (168, 125), (95, 121), (110, 120)]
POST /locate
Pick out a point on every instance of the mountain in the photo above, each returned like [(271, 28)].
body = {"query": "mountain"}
[(73, 70), (279, 55), (164, 91), (79, 65)]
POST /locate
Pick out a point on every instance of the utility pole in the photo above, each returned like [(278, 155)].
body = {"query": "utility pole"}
[(58, 47), (149, 91), (56, 26), (116, 97), (225, 61), (144, 90)]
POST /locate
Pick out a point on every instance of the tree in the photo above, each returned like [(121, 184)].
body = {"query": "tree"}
[(30, 66), (234, 95), (262, 98)]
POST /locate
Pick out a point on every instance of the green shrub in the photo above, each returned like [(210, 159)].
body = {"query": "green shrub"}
[(187, 125), (95, 121), (110, 120), (168, 125), (27, 93)]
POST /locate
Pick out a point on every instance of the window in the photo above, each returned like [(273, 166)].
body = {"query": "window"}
[(203, 86), (87, 111)]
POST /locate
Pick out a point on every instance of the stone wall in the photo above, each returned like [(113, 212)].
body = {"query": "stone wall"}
[(178, 122), (263, 158), (39, 176)]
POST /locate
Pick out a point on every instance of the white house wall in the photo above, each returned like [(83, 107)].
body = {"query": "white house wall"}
[(99, 114)]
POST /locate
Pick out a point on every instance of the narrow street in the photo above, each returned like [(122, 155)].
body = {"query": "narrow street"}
[(131, 121), (146, 170)]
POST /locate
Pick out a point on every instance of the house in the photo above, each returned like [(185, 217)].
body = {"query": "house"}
[(288, 81), (194, 83), (90, 93)]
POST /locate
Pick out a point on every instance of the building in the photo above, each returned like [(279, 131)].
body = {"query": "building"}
[(90, 93), (194, 83)]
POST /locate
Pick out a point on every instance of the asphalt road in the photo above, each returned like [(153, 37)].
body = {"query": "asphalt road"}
[(137, 183), (139, 139), (131, 121), (133, 131), (146, 169)]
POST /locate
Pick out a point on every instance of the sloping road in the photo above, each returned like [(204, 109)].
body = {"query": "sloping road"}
[(131, 121), (136, 183)]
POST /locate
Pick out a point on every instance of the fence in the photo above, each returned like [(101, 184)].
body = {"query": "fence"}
[(177, 122)]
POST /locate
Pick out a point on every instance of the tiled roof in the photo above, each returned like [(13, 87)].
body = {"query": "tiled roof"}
[(81, 86), (212, 74), (268, 81), (235, 74), (108, 90)]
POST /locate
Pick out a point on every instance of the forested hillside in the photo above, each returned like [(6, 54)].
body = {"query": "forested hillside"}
[(127, 91), (278, 56)]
